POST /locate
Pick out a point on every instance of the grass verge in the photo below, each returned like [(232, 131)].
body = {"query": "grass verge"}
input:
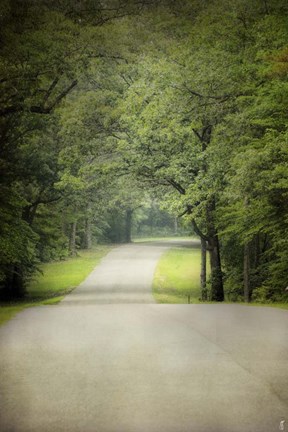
[(57, 279), (177, 276), (274, 305), (148, 239)]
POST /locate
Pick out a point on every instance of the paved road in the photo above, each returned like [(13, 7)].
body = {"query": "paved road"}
[(124, 276), (82, 366)]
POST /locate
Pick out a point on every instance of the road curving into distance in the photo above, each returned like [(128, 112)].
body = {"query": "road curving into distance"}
[(109, 359)]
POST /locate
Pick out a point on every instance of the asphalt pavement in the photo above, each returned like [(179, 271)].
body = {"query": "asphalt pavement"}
[(109, 359)]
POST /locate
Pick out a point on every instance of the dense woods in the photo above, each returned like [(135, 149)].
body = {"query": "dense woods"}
[(113, 111)]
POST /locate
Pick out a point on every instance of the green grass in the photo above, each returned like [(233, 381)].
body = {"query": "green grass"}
[(275, 305), (177, 276), (60, 277), (56, 280), (148, 239), (8, 311)]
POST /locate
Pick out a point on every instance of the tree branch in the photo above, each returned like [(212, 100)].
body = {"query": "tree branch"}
[(62, 95), (38, 109), (198, 231), (177, 186), (51, 88), (194, 224), (221, 98), (10, 110)]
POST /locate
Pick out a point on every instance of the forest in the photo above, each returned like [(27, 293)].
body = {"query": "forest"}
[(113, 111)]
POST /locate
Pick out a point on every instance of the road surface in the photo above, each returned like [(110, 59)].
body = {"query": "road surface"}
[(108, 359)]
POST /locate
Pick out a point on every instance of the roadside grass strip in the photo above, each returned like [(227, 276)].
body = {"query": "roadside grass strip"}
[(176, 279), (55, 281), (160, 238)]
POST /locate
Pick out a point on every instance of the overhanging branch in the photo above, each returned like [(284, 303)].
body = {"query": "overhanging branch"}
[(198, 231), (176, 185), (39, 109)]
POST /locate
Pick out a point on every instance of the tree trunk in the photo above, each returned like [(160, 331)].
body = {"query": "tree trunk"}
[(266, 9), (128, 225), (257, 251), (88, 228), (176, 225), (72, 242), (204, 294), (88, 234), (246, 273), (217, 290), (14, 287), (29, 213)]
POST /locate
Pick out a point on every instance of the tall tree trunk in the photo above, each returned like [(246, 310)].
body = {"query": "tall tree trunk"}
[(15, 283), (176, 225), (128, 225), (14, 287), (29, 213), (150, 221), (246, 273), (203, 274), (88, 228), (88, 234), (217, 290), (266, 9), (72, 242), (257, 250)]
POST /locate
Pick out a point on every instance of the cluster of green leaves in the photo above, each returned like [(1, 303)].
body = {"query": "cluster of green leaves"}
[(56, 280), (38, 57), (104, 103), (62, 181), (206, 116)]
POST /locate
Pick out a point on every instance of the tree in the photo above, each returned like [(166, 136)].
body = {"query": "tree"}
[(103, 99), (39, 64)]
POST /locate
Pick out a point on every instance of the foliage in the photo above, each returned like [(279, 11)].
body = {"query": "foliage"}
[(56, 280), (107, 107)]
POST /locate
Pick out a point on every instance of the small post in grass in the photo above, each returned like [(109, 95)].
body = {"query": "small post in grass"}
[(188, 298)]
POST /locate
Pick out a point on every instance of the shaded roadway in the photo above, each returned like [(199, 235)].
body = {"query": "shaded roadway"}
[(108, 359)]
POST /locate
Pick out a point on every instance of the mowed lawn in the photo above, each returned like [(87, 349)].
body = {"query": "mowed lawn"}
[(177, 276), (55, 281), (61, 277)]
